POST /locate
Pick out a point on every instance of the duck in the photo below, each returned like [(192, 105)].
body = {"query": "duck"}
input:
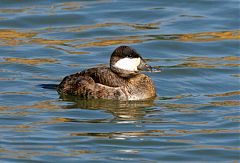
[(122, 80)]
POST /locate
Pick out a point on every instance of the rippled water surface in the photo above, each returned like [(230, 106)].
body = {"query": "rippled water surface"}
[(194, 118)]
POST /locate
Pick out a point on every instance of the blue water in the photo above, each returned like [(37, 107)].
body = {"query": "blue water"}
[(195, 117)]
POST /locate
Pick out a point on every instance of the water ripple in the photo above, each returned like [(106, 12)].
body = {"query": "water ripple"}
[(194, 118)]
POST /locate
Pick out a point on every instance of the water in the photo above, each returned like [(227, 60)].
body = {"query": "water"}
[(195, 117)]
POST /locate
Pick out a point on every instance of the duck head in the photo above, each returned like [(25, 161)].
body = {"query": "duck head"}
[(126, 61)]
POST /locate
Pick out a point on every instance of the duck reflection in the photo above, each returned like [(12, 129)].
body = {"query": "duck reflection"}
[(121, 110)]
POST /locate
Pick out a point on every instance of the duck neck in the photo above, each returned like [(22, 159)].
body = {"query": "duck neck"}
[(123, 73)]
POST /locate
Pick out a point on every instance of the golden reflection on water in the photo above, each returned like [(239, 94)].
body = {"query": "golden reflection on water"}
[(6, 79), (179, 106), (19, 128), (30, 153), (41, 105), (32, 61), (15, 93), (207, 62), (16, 126), (213, 36), (146, 26), (69, 6), (68, 51), (233, 118), (50, 105), (190, 107), (50, 8), (226, 58), (226, 103), (196, 65), (44, 77), (234, 93), (207, 131), (180, 141), (112, 41), (206, 65), (13, 34), (55, 121), (15, 38), (49, 42), (236, 75), (13, 10), (210, 36)]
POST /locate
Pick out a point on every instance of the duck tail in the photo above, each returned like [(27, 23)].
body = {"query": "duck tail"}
[(49, 86)]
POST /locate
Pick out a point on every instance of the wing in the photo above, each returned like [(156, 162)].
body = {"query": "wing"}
[(104, 76), (93, 83), (101, 75)]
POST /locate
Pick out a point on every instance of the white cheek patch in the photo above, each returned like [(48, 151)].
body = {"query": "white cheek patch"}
[(129, 64)]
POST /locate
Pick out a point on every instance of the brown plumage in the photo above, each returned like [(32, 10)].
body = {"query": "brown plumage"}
[(110, 82)]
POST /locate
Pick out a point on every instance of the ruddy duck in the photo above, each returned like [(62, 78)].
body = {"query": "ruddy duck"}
[(121, 81)]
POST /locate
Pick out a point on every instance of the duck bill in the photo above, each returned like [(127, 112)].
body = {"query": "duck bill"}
[(143, 66)]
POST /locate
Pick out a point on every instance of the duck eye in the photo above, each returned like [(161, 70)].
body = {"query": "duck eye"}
[(130, 55)]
